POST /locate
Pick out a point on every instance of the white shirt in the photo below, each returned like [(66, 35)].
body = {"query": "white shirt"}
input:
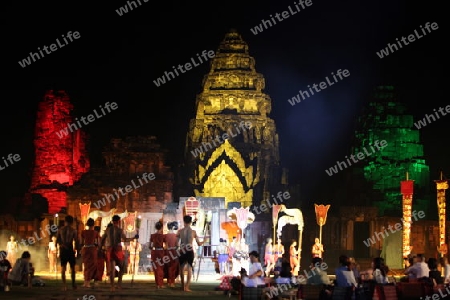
[(379, 278), (254, 267), (447, 273), (420, 269)]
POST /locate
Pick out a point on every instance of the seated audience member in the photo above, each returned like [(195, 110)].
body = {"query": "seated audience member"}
[(255, 272), (409, 264), (316, 275), (419, 269), (5, 268), (285, 272), (344, 276), (379, 271), (446, 266), (22, 272), (434, 274)]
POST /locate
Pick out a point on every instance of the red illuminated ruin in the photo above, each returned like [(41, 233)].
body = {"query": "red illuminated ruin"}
[(60, 154)]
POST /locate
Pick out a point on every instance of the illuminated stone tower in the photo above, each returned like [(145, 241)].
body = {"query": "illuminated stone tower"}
[(232, 144), (60, 157), (376, 178)]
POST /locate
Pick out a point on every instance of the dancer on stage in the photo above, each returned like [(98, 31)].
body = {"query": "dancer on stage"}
[(52, 254), (186, 237), (269, 257), (89, 240), (172, 243), (134, 249), (278, 251), (157, 241), (293, 259), (222, 250)]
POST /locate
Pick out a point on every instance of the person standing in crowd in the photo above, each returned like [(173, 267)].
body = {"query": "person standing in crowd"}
[(52, 254), (186, 237), (344, 276), (446, 266), (112, 241), (89, 240), (67, 241), (157, 241), (100, 258), (22, 272), (434, 274), (354, 267), (134, 249), (269, 257), (293, 258), (171, 252), (379, 271), (316, 275), (12, 248), (317, 248)]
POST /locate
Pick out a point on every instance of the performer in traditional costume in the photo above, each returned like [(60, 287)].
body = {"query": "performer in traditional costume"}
[(278, 251), (89, 240), (171, 252), (52, 254), (134, 249), (269, 257), (157, 241), (317, 249), (112, 240), (101, 257), (222, 250), (293, 259)]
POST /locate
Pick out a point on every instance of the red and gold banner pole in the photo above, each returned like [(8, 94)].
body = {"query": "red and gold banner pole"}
[(321, 217), (441, 186), (407, 189)]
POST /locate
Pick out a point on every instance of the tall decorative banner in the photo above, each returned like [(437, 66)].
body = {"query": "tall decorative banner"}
[(441, 186), (407, 190), (130, 222), (242, 216), (231, 229), (321, 216), (275, 211), (138, 223), (84, 209)]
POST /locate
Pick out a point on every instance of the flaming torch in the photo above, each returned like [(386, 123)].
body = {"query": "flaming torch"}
[(321, 217)]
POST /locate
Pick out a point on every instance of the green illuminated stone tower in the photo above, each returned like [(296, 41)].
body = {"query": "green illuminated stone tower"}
[(376, 179)]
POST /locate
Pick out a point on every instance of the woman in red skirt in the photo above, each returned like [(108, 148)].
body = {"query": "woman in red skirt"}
[(157, 241)]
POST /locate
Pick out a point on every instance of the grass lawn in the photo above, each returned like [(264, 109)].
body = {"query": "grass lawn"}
[(143, 287)]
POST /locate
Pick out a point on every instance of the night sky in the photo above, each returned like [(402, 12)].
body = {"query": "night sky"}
[(117, 58)]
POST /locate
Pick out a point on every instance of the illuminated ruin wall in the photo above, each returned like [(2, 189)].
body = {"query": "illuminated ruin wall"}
[(125, 160), (60, 161), (245, 167), (387, 119)]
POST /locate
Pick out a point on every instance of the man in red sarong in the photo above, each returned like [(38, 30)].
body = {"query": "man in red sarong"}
[(112, 240)]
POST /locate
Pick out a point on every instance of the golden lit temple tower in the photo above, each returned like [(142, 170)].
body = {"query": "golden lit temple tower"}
[(232, 144)]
